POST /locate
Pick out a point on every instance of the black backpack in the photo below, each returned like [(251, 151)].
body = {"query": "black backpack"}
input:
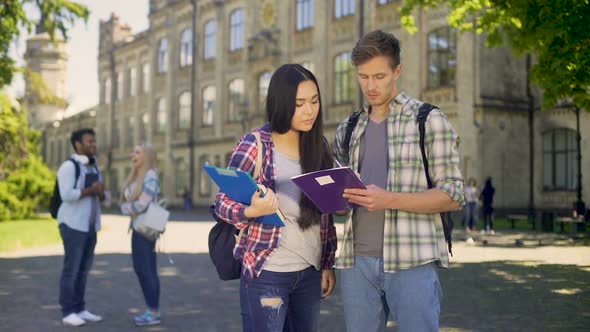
[(423, 112), (55, 201)]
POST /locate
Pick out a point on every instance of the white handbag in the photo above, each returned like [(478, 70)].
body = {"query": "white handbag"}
[(152, 222)]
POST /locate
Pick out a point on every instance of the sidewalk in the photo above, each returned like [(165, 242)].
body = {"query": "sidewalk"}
[(497, 287)]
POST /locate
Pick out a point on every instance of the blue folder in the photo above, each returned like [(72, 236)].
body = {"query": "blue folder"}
[(240, 186)]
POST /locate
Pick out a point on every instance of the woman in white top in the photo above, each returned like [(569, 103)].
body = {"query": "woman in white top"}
[(141, 188)]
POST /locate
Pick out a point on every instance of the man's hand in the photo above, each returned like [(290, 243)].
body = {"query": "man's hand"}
[(373, 198), (328, 282)]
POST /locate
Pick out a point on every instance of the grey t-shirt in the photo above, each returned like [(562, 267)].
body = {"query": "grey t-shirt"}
[(297, 249), (373, 165)]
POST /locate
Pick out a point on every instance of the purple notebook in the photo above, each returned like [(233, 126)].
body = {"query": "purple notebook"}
[(325, 187)]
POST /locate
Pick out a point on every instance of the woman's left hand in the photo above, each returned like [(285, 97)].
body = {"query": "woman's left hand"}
[(328, 282)]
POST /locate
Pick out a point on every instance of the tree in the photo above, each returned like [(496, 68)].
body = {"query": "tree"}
[(26, 183), (56, 15), (554, 32)]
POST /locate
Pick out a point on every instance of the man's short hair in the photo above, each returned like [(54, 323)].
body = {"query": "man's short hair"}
[(77, 136), (374, 44)]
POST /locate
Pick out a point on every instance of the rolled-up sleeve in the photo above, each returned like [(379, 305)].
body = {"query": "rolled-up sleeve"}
[(151, 188), (66, 178), (339, 153), (443, 156)]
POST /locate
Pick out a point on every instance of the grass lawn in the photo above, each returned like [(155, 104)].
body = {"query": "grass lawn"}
[(21, 234)]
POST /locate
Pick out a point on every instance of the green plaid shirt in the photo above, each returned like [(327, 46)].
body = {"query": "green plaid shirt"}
[(410, 239)]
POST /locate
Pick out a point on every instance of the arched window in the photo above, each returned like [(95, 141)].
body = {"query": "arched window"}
[(344, 80), (186, 47), (163, 55), (236, 99), (210, 39), (263, 83), (132, 81), (161, 116), (442, 57), (184, 111), (145, 77), (208, 105), (236, 30), (560, 167)]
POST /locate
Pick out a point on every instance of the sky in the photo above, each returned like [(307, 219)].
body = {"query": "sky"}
[(81, 80)]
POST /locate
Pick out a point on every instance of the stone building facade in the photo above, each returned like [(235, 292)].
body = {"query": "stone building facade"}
[(193, 95)]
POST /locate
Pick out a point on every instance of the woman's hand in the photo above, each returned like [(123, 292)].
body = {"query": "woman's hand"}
[(328, 282), (262, 206)]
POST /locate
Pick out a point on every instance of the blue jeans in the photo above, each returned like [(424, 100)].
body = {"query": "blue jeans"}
[(281, 301), (78, 256), (471, 215), (412, 296), (145, 266)]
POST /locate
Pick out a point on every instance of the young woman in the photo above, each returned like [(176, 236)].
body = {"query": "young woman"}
[(285, 270), (487, 199), (141, 188)]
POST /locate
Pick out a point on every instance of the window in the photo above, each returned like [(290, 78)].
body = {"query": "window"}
[(132, 81), (304, 15), (263, 83), (163, 55), (383, 2), (210, 45), (204, 182), (161, 115), (114, 183), (344, 79), (208, 105), (442, 57), (107, 91), (236, 99), (344, 8), (181, 175), (145, 124), (184, 111), (129, 132), (236, 30), (146, 77), (560, 167), (120, 85), (186, 48)]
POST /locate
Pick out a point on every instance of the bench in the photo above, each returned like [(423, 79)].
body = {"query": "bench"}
[(570, 220), (519, 217)]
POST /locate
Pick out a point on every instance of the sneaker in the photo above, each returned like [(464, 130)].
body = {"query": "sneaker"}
[(73, 320), (491, 232), (89, 317), (470, 240), (147, 318), (482, 232)]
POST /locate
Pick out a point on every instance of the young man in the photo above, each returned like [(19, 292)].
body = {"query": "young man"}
[(394, 240), (79, 220)]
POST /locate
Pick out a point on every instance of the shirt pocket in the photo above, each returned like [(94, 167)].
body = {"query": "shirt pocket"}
[(410, 151)]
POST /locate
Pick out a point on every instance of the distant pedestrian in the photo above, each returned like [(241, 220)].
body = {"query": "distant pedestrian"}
[(79, 220), (487, 198), (141, 188), (471, 210), (187, 200)]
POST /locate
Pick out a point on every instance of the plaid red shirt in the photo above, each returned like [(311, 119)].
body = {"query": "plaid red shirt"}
[(261, 240)]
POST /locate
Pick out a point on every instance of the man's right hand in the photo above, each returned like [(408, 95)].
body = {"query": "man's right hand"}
[(262, 206)]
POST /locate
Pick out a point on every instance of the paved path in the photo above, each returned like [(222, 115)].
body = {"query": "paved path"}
[(494, 287)]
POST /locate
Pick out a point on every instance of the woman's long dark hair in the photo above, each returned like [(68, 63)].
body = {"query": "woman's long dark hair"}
[(313, 148)]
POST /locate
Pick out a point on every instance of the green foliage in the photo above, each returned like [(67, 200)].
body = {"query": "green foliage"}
[(555, 32), (26, 183), (56, 15), (19, 234)]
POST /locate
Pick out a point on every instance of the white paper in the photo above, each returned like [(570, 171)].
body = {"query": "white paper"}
[(324, 180)]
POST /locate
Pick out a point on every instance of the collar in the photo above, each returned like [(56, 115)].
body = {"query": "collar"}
[(264, 131)]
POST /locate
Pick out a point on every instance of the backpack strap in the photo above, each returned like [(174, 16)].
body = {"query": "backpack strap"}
[(423, 113), (256, 174), (353, 119), (77, 171)]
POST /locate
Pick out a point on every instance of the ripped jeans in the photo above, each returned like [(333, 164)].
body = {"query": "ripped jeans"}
[(281, 301)]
